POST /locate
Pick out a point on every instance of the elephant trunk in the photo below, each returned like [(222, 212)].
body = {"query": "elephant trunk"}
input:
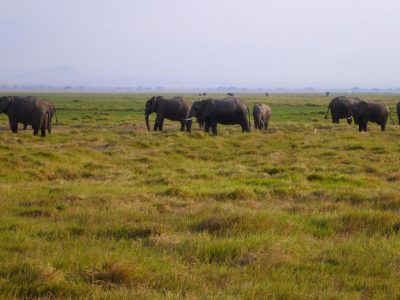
[(351, 116), (192, 115), (147, 121)]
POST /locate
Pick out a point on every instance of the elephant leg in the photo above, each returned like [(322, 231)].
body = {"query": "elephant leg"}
[(245, 126), (25, 126), (35, 130), (49, 127), (207, 127), (158, 123), (182, 125), (383, 125), (266, 125), (13, 124), (214, 128), (188, 125), (43, 131)]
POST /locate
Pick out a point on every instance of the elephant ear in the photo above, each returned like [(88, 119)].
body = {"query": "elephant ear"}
[(208, 108), (154, 104), (4, 103)]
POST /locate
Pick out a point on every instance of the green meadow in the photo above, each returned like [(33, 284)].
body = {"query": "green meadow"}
[(104, 209)]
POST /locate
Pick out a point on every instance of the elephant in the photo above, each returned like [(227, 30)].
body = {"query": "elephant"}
[(52, 111), (261, 115), (327, 94), (201, 124), (228, 111), (25, 110), (341, 108), (398, 111), (175, 109), (366, 112), (230, 94)]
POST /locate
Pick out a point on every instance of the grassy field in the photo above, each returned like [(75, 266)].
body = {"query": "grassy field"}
[(104, 209)]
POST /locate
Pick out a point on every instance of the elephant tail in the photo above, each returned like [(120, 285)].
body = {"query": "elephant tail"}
[(248, 112), (261, 119), (326, 116)]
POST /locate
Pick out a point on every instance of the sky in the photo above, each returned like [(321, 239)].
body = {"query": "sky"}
[(207, 43)]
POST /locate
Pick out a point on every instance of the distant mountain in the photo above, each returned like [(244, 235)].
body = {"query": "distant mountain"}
[(62, 76), (58, 75)]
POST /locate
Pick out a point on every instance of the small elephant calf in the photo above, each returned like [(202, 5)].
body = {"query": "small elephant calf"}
[(261, 115)]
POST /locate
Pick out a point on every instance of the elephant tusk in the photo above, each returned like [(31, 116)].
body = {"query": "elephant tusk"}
[(188, 119)]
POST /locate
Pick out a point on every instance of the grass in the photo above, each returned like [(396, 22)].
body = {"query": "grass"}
[(104, 209)]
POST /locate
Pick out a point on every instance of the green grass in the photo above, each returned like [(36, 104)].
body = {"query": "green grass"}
[(104, 209)]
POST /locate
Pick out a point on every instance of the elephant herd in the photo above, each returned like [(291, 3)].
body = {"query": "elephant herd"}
[(208, 112), (28, 111), (231, 110), (361, 111)]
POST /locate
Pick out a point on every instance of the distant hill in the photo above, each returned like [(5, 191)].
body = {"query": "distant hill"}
[(54, 76)]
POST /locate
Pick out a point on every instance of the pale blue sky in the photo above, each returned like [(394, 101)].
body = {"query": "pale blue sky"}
[(187, 43)]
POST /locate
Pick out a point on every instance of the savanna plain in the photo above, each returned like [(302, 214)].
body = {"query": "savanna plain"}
[(104, 209)]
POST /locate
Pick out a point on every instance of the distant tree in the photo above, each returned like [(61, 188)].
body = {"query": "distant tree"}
[(204, 94), (327, 94), (267, 94), (230, 94)]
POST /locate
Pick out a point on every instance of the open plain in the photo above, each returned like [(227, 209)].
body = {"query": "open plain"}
[(102, 208)]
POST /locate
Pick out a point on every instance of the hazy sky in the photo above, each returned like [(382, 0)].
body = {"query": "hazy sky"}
[(250, 43)]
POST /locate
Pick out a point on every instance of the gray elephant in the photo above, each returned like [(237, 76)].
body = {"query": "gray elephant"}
[(25, 110), (340, 108), (51, 109), (261, 115), (398, 111), (230, 94), (366, 112), (228, 111), (175, 109)]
